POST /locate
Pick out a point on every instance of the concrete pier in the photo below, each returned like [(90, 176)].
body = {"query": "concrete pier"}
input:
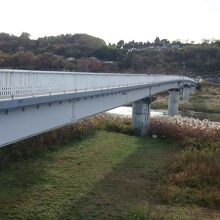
[(173, 102), (192, 89), (186, 93), (141, 115)]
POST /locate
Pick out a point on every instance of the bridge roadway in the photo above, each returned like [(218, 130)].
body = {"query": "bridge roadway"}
[(33, 102)]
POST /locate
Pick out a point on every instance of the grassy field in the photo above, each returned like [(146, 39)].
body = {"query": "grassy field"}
[(104, 176), (206, 100)]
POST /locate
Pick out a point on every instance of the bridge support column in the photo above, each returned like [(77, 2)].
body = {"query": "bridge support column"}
[(192, 89), (173, 102), (141, 115), (186, 93)]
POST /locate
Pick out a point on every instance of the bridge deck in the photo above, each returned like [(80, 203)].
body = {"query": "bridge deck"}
[(26, 83), (33, 102)]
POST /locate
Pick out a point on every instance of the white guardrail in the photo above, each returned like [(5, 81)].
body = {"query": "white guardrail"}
[(25, 83)]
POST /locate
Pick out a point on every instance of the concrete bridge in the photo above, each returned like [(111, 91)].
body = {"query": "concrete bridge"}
[(33, 102)]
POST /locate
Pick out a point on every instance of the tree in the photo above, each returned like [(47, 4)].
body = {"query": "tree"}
[(25, 36), (45, 61), (22, 60), (165, 42), (120, 44), (157, 41)]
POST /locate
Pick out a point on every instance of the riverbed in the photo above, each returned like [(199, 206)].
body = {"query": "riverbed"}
[(127, 111)]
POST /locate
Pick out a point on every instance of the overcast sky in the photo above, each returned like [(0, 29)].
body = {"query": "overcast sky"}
[(113, 20)]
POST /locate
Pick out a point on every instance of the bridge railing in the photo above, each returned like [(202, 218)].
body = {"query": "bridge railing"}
[(22, 83)]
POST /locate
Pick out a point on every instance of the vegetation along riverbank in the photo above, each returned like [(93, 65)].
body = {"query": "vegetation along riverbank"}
[(99, 169), (204, 104)]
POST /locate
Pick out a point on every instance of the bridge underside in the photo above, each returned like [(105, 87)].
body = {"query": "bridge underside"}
[(20, 120)]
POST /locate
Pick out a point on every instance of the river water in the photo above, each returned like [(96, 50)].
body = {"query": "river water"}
[(127, 111)]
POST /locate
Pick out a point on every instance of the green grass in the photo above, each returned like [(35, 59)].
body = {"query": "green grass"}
[(104, 176), (98, 177)]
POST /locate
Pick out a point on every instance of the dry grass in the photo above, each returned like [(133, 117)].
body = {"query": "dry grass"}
[(193, 175), (182, 128), (206, 99), (207, 88)]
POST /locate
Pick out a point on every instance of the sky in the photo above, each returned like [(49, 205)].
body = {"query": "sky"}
[(113, 20)]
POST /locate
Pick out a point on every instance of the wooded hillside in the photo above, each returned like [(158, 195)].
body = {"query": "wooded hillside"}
[(82, 52)]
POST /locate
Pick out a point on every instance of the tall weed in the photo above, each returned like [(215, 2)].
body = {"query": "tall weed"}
[(182, 128), (193, 176)]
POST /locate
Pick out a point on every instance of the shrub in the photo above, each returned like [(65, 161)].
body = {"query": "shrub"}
[(115, 123), (182, 128)]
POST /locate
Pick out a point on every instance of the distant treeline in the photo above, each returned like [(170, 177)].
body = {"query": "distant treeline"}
[(82, 52)]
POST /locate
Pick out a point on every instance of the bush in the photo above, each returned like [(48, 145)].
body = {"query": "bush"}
[(115, 123), (182, 128)]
